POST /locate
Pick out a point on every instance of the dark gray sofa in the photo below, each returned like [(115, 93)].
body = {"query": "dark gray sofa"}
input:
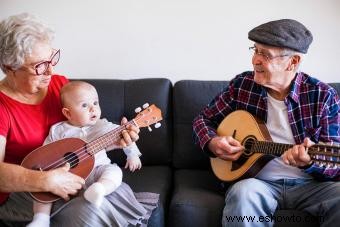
[(172, 165)]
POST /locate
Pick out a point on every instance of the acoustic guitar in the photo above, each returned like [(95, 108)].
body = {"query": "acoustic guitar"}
[(259, 148), (80, 154)]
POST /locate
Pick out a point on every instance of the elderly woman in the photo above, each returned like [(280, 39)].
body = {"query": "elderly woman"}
[(29, 105)]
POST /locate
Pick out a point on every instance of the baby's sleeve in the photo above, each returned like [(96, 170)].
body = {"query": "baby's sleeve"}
[(132, 151), (53, 134)]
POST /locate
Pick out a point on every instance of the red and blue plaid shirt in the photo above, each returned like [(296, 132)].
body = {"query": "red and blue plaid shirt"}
[(313, 111)]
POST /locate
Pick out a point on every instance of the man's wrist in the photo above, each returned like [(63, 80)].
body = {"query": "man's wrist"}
[(307, 166), (208, 151)]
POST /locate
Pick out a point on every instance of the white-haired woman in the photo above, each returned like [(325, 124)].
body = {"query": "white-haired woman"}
[(29, 105)]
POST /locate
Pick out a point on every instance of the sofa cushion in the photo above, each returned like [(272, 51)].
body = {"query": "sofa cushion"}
[(198, 199), (157, 179), (121, 97), (190, 96)]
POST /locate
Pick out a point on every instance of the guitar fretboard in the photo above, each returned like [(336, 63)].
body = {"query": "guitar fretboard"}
[(107, 139), (322, 154)]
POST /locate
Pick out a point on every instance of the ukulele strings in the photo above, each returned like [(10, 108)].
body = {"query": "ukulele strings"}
[(82, 151), (71, 157), (83, 154)]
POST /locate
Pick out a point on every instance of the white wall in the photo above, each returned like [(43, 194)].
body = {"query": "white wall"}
[(177, 39)]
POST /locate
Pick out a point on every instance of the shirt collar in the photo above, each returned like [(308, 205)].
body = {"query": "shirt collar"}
[(296, 87)]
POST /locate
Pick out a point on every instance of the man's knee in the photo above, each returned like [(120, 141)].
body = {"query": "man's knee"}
[(246, 188)]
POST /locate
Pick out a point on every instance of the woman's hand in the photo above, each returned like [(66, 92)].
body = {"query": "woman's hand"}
[(63, 183), (297, 155), (129, 135)]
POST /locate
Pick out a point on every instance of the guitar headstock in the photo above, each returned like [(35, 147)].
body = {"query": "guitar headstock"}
[(150, 115), (325, 155)]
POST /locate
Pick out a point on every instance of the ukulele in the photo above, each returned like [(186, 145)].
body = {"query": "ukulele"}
[(80, 154), (259, 148)]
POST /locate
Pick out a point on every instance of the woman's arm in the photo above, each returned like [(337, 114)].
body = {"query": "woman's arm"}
[(15, 178)]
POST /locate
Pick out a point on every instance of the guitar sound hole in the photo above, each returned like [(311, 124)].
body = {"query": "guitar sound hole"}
[(71, 158), (248, 143)]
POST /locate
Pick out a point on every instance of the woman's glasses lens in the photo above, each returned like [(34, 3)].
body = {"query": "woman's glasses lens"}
[(55, 58), (42, 67)]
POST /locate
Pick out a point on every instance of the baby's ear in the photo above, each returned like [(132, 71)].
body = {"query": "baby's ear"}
[(66, 112)]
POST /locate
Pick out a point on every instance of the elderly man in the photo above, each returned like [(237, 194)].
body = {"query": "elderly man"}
[(296, 109)]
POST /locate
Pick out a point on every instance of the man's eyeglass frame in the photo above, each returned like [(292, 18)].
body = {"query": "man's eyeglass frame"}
[(255, 51)]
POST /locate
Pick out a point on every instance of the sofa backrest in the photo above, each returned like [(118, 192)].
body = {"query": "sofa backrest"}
[(180, 104), (190, 96), (336, 86), (119, 98)]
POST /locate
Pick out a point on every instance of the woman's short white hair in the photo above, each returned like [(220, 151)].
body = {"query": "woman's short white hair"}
[(18, 35)]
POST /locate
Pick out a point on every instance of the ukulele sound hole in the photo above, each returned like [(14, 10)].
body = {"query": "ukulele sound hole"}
[(71, 158), (248, 143)]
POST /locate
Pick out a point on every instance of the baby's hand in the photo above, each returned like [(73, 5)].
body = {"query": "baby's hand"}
[(133, 163)]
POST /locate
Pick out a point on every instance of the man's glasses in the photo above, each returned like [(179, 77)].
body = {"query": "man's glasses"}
[(268, 57), (41, 67)]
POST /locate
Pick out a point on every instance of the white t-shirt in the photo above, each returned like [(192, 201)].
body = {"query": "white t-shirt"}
[(63, 130), (280, 132)]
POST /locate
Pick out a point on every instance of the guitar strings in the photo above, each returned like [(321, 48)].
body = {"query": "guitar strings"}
[(326, 155), (83, 154), (110, 138), (82, 151), (72, 157)]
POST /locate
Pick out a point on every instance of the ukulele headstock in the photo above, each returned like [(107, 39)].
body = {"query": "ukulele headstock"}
[(150, 115)]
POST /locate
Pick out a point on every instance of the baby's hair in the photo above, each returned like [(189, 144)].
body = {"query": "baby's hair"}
[(71, 87)]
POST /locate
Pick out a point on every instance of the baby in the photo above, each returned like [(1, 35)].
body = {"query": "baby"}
[(82, 110)]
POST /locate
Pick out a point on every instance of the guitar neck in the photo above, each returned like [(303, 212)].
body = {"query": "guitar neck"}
[(324, 154), (271, 148), (148, 116), (107, 139)]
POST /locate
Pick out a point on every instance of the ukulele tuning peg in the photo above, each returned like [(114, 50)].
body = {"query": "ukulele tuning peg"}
[(138, 109), (146, 105), (150, 129), (157, 125)]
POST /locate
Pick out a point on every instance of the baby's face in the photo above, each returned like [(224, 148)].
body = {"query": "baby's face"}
[(83, 106)]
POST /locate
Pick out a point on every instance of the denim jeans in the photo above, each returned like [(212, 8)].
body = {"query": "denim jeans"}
[(252, 202)]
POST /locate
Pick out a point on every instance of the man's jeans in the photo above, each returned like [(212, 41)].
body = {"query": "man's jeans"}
[(252, 202)]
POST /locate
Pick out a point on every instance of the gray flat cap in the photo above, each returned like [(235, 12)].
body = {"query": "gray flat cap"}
[(285, 33)]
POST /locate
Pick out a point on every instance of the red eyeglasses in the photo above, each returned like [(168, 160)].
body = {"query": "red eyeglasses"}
[(41, 67)]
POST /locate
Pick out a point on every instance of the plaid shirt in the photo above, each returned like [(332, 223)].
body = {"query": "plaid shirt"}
[(313, 111)]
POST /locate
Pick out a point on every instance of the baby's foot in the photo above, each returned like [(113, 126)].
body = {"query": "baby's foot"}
[(40, 220), (95, 194)]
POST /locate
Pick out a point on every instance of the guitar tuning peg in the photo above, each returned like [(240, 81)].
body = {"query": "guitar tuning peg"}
[(150, 129), (138, 109), (157, 125), (146, 105)]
